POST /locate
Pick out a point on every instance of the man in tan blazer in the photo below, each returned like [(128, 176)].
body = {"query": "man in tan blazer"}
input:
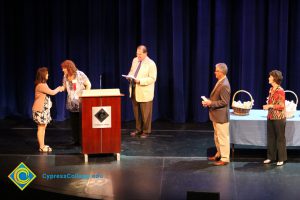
[(219, 114), (141, 91)]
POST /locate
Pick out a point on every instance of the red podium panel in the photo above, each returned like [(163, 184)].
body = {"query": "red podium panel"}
[(101, 140)]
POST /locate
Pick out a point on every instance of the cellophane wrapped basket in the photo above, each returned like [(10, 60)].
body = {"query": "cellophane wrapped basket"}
[(290, 106), (240, 108)]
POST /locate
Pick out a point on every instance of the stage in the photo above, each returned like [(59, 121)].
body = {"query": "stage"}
[(166, 165)]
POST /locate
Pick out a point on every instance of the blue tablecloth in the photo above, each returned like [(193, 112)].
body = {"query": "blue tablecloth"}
[(252, 129)]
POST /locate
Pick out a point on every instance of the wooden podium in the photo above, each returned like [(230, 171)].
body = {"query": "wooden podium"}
[(101, 122)]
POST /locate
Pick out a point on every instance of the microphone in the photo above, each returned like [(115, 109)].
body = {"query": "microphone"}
[(100, 81)]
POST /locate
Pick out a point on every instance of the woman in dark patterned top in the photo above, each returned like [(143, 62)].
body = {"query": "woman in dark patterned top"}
[(276, 120), (74, 82)]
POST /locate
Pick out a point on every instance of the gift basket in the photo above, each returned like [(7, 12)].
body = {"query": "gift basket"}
[(240, 108), (290, 106)]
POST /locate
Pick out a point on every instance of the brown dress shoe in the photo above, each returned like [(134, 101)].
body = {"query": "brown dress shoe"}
[(134, 133), (220, 163), (214, 158)]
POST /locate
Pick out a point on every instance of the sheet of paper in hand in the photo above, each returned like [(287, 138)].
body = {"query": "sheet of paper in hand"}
[(204, 98), (129, 76)]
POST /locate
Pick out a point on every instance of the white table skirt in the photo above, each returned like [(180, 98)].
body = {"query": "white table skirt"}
[(252, 129)]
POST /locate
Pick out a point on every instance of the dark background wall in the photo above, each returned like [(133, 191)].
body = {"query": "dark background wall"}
[(185, 39)]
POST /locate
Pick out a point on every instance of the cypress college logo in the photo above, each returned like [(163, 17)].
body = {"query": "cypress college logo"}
[(22, 176)]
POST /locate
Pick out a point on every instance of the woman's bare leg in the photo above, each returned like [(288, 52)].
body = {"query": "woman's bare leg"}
[(41, 135)]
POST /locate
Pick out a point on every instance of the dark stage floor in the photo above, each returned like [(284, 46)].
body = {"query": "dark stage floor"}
[(166, 165)]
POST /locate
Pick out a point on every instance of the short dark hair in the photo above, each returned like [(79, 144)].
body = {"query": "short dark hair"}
[(143, 48), (277, 76)]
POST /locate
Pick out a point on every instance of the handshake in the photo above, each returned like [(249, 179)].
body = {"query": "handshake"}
[(61, 88)]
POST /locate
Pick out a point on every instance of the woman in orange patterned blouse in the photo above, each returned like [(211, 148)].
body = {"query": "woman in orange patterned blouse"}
[(276, 120)]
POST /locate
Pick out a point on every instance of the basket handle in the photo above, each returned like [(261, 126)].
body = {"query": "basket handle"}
[(246, 93), (290, 91)]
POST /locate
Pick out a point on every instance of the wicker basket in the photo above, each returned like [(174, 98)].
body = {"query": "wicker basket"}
[(241, 111), (289, 113)]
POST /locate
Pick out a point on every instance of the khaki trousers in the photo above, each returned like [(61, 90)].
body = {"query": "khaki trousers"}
[(142, 114), (222, 142)]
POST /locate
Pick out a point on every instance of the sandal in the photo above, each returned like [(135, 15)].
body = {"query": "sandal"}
[(46, 148)]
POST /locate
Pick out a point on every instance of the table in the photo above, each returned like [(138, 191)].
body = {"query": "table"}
[(252, 129)]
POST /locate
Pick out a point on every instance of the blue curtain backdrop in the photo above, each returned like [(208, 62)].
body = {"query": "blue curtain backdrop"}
[(185, 39)]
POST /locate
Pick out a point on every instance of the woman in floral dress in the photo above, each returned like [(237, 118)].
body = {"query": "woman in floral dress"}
[(41, 106)]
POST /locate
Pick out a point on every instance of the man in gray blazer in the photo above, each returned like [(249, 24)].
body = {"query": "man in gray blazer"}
[(218, 105)]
